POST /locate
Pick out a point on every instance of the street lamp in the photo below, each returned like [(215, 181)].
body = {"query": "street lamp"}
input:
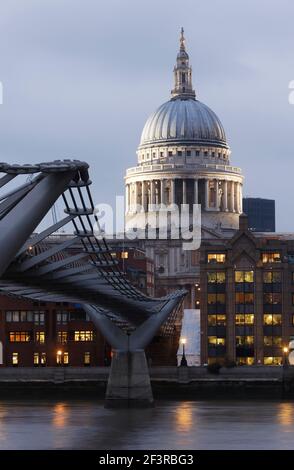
[(285, 356), (183, 360), (59, 354)]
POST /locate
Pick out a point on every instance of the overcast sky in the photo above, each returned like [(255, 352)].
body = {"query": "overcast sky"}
[(80, 78)]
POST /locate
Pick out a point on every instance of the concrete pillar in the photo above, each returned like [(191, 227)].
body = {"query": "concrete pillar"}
[(195, 191), (207, 194), (129, 381), (184, 191), (225, 196)]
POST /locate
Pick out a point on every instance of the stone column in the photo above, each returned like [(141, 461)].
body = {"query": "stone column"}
[(225, 196), (127, 202), (184, 191), (195, 191), (217, 198), (238, 197), (143, 199), (232, 196), (162, 187), (136, 197), (152, 191), (207, 194), (241, 199), (172, 191)]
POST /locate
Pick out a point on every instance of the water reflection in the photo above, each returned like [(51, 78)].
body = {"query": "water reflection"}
[(60, 415), (285, 414), (71, 424), (184, 416)]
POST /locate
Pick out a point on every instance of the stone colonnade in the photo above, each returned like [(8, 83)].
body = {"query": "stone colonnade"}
[(219, 194)]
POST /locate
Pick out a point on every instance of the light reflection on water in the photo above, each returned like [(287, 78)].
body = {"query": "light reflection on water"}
[(73, 424)]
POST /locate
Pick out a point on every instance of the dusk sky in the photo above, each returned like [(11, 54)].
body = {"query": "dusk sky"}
[(80, 78)]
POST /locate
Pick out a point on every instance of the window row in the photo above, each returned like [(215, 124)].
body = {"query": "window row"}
[(40, 336), (39, 358), (38, 317), (266, 257)]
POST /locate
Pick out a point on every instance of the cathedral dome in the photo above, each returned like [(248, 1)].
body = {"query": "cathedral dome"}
[(186, 121), (183, 119)]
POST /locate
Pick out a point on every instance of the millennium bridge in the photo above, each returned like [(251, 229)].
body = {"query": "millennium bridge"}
[(88, 274)]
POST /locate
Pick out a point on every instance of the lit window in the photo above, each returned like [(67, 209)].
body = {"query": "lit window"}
[(245, 361), (273, 341), (15, 359), (272, 361), (87, 358), (244, 276), (40, 337), (216, 320), (124, 255), (216, 299), (215, 341), (270, 277), (216, 277), (65, 358), (272, 298), (19, 337), (43, 358), (244, 341), (36, 359), (272, 319), (216, 258), (244, 298), (271, 257), (84, 335), (62, 337), (244, 319)]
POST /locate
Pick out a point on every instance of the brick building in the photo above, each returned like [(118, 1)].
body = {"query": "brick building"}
[(247, 297), (44, 334)]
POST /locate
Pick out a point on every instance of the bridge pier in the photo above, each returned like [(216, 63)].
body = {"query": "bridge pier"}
[(129, 381)]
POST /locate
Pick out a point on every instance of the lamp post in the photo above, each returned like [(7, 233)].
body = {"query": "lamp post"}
[(59, 355), (183, 360), (285, 356)]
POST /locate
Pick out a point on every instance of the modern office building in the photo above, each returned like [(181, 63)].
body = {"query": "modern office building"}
[(261, 214), (247, 297)]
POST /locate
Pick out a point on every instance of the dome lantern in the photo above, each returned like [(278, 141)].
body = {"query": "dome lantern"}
[(183, 88)]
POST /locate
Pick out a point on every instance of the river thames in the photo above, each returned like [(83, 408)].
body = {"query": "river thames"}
[(76, 424)]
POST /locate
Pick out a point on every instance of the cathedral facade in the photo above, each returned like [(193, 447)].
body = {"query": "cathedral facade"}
[(183, 158)]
